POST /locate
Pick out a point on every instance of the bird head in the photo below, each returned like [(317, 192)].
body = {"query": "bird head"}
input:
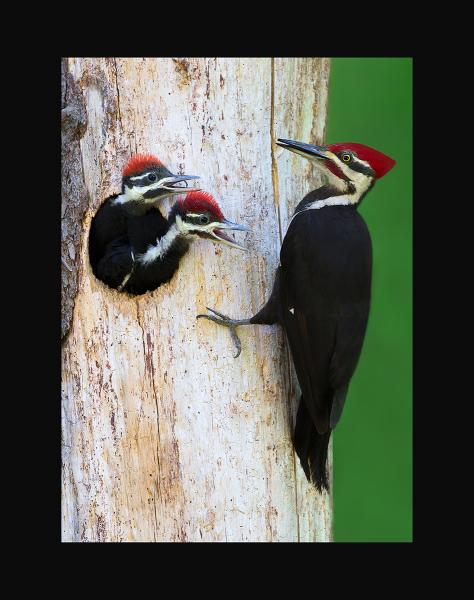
[(350, 167), (146, 180), (198, 214)]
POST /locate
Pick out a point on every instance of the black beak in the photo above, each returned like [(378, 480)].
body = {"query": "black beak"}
[(169, 183), (306, 150), (220, 236)]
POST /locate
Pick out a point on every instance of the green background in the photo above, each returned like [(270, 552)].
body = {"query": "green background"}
[(370, 102)]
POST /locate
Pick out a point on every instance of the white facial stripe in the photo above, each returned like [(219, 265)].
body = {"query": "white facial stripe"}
[(132, 195), (360, 161), (154, 185), (188, 229), (360, 181), (206, 228), (354, 176), (141, 176), (182, 226), (162, 246), (348, 172), (136, 193)]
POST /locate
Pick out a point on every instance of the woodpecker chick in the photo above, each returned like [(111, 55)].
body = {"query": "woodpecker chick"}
[(131, 216), (321, 292), (197, 215), (146, 180)]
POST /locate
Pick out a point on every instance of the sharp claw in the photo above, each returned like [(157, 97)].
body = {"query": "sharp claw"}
[(223, 320), (218, 313), (211, 318), (236, 340)]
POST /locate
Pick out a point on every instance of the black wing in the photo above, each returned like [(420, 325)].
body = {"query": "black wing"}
[(324, 302), (108, 224), (116, 266)]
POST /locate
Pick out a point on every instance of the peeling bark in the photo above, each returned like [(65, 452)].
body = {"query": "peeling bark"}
[(165, 436)]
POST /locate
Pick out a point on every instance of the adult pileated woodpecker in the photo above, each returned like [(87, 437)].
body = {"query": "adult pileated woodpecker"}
[(131, 217), (321, 293), (141, 267)]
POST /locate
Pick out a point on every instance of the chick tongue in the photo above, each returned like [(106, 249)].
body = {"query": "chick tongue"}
[(222, 235)]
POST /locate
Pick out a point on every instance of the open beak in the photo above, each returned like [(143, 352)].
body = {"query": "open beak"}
[(169, 183), (217, 234), (306, 150)]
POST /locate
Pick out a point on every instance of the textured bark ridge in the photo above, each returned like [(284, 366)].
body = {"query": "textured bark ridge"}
[(74, 198), (165, 436)]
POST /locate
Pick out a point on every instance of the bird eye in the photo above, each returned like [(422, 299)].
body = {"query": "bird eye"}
[(151, 177), (346, 158), (204, 219)]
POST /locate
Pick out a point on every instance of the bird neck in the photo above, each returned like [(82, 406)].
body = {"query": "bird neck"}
[(330, 195), (172, 239), (132, 207), (175, 240)]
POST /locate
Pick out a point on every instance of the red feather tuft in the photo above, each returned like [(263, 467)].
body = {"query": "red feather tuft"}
[(139, 163), (380, 163), (200, 201)]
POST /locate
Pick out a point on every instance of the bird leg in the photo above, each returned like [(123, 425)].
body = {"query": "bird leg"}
[(226, 321)]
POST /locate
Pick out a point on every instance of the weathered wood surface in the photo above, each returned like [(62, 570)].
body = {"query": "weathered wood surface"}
[(73, 191), (165, 436)]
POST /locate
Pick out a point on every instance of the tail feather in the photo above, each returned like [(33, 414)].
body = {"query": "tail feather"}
[(311, 448)]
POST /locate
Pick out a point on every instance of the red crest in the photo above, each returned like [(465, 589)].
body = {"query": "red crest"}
[(139, 163), (380, 163), (199, 202)]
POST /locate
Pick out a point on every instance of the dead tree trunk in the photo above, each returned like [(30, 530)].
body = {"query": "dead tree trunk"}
[(165, 436)]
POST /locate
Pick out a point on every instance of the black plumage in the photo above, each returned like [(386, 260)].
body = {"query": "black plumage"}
[(119, 232), (149, 277), (116, 263), (321, 297)]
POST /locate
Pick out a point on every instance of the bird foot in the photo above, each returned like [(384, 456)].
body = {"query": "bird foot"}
[(226, 321)]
